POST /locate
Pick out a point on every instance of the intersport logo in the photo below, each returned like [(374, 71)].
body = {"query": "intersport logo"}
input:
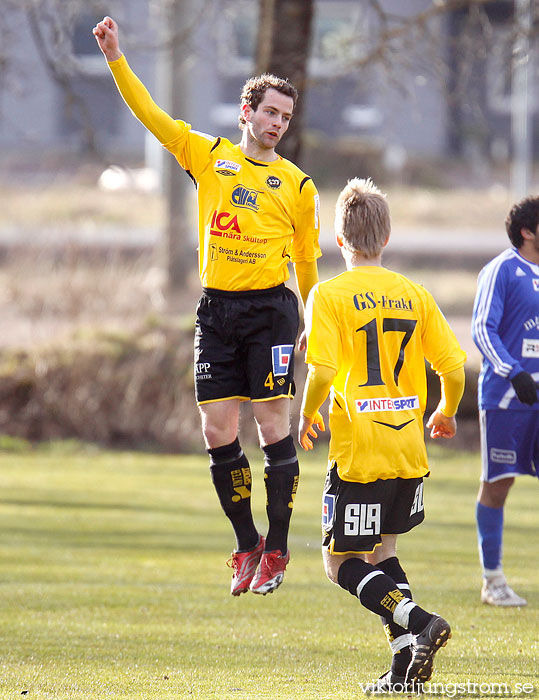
[(404, 403)]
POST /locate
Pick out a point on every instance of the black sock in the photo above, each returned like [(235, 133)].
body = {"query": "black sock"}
[(419, 619), (231, 477), (281, 476), (397, 636), (378, 592)]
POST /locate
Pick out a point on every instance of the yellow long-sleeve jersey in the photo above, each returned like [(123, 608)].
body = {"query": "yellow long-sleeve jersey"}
[(254, 217), (374, 328)]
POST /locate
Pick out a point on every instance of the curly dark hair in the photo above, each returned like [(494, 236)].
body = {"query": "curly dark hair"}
[(254, 89), (524, 214)]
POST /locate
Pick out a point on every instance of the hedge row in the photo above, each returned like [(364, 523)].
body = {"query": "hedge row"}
[(125, 390)]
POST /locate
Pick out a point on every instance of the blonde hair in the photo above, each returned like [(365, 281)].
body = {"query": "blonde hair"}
[(362, 217)]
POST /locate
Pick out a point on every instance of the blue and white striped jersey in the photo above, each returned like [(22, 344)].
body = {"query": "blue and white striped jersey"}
[(505, 327)]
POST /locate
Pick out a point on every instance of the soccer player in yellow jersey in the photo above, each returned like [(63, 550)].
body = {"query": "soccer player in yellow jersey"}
[(369, 331), (257, 212)]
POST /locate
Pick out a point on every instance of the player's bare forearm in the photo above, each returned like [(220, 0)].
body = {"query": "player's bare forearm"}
[(106, 35), (442, 426)]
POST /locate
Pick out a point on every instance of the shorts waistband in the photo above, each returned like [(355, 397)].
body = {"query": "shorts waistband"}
[(244, 293)]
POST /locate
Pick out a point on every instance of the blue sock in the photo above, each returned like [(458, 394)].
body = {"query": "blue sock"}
[(489, 535)]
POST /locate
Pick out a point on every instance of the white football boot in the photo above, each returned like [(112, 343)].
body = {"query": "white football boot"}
[(496, 591)]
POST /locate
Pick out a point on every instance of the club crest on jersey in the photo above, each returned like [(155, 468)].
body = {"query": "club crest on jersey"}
[(245, 198), (280, 357), (404, 403), (273, 182), (328, 508), (227, 167), (535, 284)]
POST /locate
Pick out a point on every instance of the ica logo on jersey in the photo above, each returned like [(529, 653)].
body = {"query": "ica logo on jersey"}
[(225, 224)]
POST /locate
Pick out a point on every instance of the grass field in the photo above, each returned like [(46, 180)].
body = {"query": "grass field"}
[(114, 585)]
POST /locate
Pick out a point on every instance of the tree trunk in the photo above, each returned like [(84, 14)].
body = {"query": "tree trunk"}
[(177, 184), (284, 34)]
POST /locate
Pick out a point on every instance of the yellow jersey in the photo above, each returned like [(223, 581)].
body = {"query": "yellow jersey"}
[(254, 217), (375, 328)]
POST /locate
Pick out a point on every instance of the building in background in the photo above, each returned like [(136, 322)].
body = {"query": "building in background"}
[(437, 98)]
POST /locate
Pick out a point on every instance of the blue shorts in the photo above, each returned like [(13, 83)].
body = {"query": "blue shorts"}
[(509, 443)]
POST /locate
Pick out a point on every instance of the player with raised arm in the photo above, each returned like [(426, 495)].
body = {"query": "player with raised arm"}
[(369, 331), (257, 212), (505, 328)]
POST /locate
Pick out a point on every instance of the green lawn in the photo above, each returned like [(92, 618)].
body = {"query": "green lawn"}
[(114, 585)]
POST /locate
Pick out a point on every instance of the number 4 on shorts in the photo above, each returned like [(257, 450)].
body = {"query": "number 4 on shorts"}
[(269, 381)]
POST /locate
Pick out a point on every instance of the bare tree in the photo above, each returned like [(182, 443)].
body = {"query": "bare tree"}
[(52, 27), (395, 40), (391, 43), (284, 38), (178, 26)]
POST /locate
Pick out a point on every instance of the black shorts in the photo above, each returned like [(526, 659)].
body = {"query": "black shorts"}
[(355, 515), (244, 344)]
